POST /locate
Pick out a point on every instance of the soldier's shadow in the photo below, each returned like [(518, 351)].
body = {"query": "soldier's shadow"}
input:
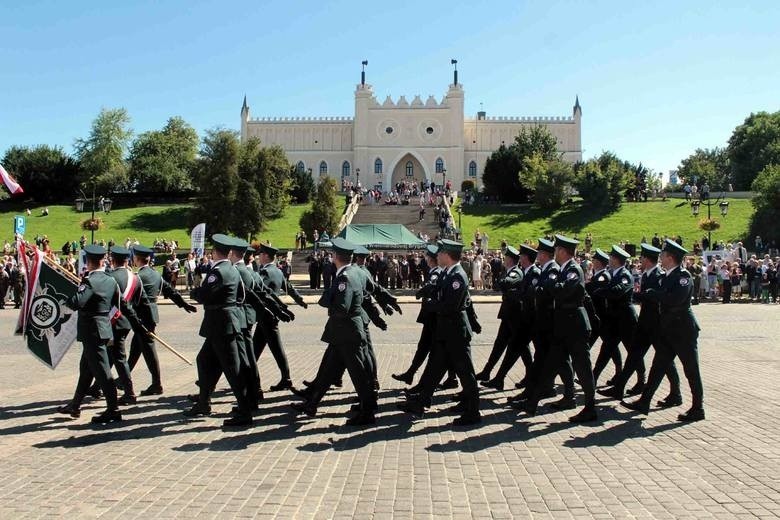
[(632, 428), (29, 410)]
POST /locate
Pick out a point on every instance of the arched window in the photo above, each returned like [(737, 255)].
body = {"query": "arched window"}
[(345, 169), (409, 169), (323, 168), (378, 165), (439, 165), (300, 167), (472, 169)]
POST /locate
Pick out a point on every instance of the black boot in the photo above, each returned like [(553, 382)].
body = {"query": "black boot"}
[(483, 376), (670, 401), (637, 406), (70, 409), (694, 414), (284, 384), (498, 384), (405, 377), (107, 417), (587, 414)]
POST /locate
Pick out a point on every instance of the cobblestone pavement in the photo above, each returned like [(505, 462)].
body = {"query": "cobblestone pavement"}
[(157, 465)]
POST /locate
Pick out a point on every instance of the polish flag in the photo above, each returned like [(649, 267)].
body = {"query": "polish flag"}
[(9, 182)]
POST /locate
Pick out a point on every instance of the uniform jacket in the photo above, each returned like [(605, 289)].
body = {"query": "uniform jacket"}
[(618, 295), (568, 290), (129, 318), (425, 316), (450, 304), (274, 279), (674, 297), (154, 286), (543, 302), (94, 298), (344, 301), (511, 286), (528, 291), (649, 313), (600, 280), (219, 296)]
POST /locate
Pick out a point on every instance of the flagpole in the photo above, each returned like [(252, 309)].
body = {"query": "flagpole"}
[(75, 279)]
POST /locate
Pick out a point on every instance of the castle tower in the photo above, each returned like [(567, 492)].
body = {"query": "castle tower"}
[(577, 110), (244, 119)]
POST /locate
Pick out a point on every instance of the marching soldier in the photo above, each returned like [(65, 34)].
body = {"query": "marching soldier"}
[(142, 344), (345, 335), (267, 332), (646, 332), (220, 329), (95, 297), (451, 337), (620, 318), (549, 272), (571, 332), (519, 289), (677, 334), (600, 280), (133, 296)]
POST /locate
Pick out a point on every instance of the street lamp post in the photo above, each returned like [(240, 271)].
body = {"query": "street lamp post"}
[(357, 177), (444, 180), (724, 210), (80, 207)]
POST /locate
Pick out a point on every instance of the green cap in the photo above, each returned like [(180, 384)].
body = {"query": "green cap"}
[(120, 252), (432, 250), (619, 252), (446, 245), (528, 251), (138, 249), (546, 245), (601, 256), (342, 246), (95, 250), (239, 245), (222, 242), (649, 251), (673, 248), (569, 244), (270, 251), (361, 251), (512, 252)]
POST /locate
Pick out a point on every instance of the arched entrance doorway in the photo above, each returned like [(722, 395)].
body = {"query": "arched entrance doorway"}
[(407, 168)]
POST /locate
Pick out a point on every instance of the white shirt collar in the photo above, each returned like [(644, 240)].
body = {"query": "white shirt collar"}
[(100, 269), (525, 271), (215, 264), (450, 268), (544, 267)]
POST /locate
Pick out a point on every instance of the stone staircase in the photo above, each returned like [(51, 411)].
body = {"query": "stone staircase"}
[(405, 215)]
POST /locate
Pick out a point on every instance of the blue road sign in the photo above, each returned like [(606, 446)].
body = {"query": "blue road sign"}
[(20, 224)]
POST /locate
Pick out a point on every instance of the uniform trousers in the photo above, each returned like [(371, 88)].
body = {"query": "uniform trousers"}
[(455, 353), (142, 345), (643, 338), (221, 354), (94, 364), (672, 343), (117, 356), (267, 333)]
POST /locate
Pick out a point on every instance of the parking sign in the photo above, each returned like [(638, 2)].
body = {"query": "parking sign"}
[(20, 225)]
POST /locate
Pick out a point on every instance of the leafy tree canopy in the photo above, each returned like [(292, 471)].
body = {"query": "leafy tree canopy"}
[(754, 145), (102, 153), (163, 160), (46, 173)]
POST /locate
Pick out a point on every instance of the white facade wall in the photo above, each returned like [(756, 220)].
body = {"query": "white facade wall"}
[(395, 131)]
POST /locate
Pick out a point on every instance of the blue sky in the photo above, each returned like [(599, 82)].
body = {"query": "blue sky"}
[(656, 79)]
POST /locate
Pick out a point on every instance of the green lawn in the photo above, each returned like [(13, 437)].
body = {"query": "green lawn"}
[(630, 223), (146, 223)]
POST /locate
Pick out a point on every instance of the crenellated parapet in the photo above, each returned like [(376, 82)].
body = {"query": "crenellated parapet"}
[(303, 120), (525, 119)]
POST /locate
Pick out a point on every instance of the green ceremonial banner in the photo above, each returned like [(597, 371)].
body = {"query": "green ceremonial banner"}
[(50, 326)]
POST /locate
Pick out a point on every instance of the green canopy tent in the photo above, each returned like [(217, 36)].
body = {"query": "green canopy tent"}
[(382, 236)]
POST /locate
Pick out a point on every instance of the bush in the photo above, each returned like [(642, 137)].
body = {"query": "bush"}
[(767, 204), (467, 186), (322, 215), (550, 180)]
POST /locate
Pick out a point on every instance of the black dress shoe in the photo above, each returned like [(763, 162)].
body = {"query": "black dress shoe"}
[(302, 393), (525, 406), (694, 414), (637, 406), (241, 419), (412, 406), (404, 378), (70, 409), (361, 419), (670, 401), (564, 403), (610, 382), (467, 420), (636, 389), (498, 384), (521, 384), (284, 384), (449, 384), (109, 416), (306, 408), (339, 383), (587, 414), (152, 390), (197, 411), (194, 398), (483, 376), (611, 392), (307, 383), (127, 400)]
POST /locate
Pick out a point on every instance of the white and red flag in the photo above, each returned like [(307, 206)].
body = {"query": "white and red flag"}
[(10, 182)]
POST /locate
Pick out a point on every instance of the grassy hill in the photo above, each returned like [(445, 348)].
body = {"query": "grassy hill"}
[(630, 223), (146, 223)]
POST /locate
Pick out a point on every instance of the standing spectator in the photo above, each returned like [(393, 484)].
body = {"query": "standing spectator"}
[(189, 270), (724, 277), (328, 272), (404, 271), (314, 271), (759, 245), (771, 273), (476, 272)]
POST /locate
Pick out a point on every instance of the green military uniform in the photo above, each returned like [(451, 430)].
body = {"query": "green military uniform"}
[(251, 376), (267, 331), (518, 293), (94, 299), (222, 324), (147, 311), (451, 341), (571, 332), (647, 328), (677, 337), (601, 280), (620, 318)]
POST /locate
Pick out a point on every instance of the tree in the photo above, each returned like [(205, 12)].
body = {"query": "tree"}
[(753, 145), (46, 173), (163, 160), (767, 204), (501, 178), (301, 186), (602, 182), (710, 166), (549, 179), (216, 181), (102, 154), (268, 171), (322, 215)]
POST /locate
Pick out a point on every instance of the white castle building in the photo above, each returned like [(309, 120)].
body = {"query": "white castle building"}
[(389, 141)]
